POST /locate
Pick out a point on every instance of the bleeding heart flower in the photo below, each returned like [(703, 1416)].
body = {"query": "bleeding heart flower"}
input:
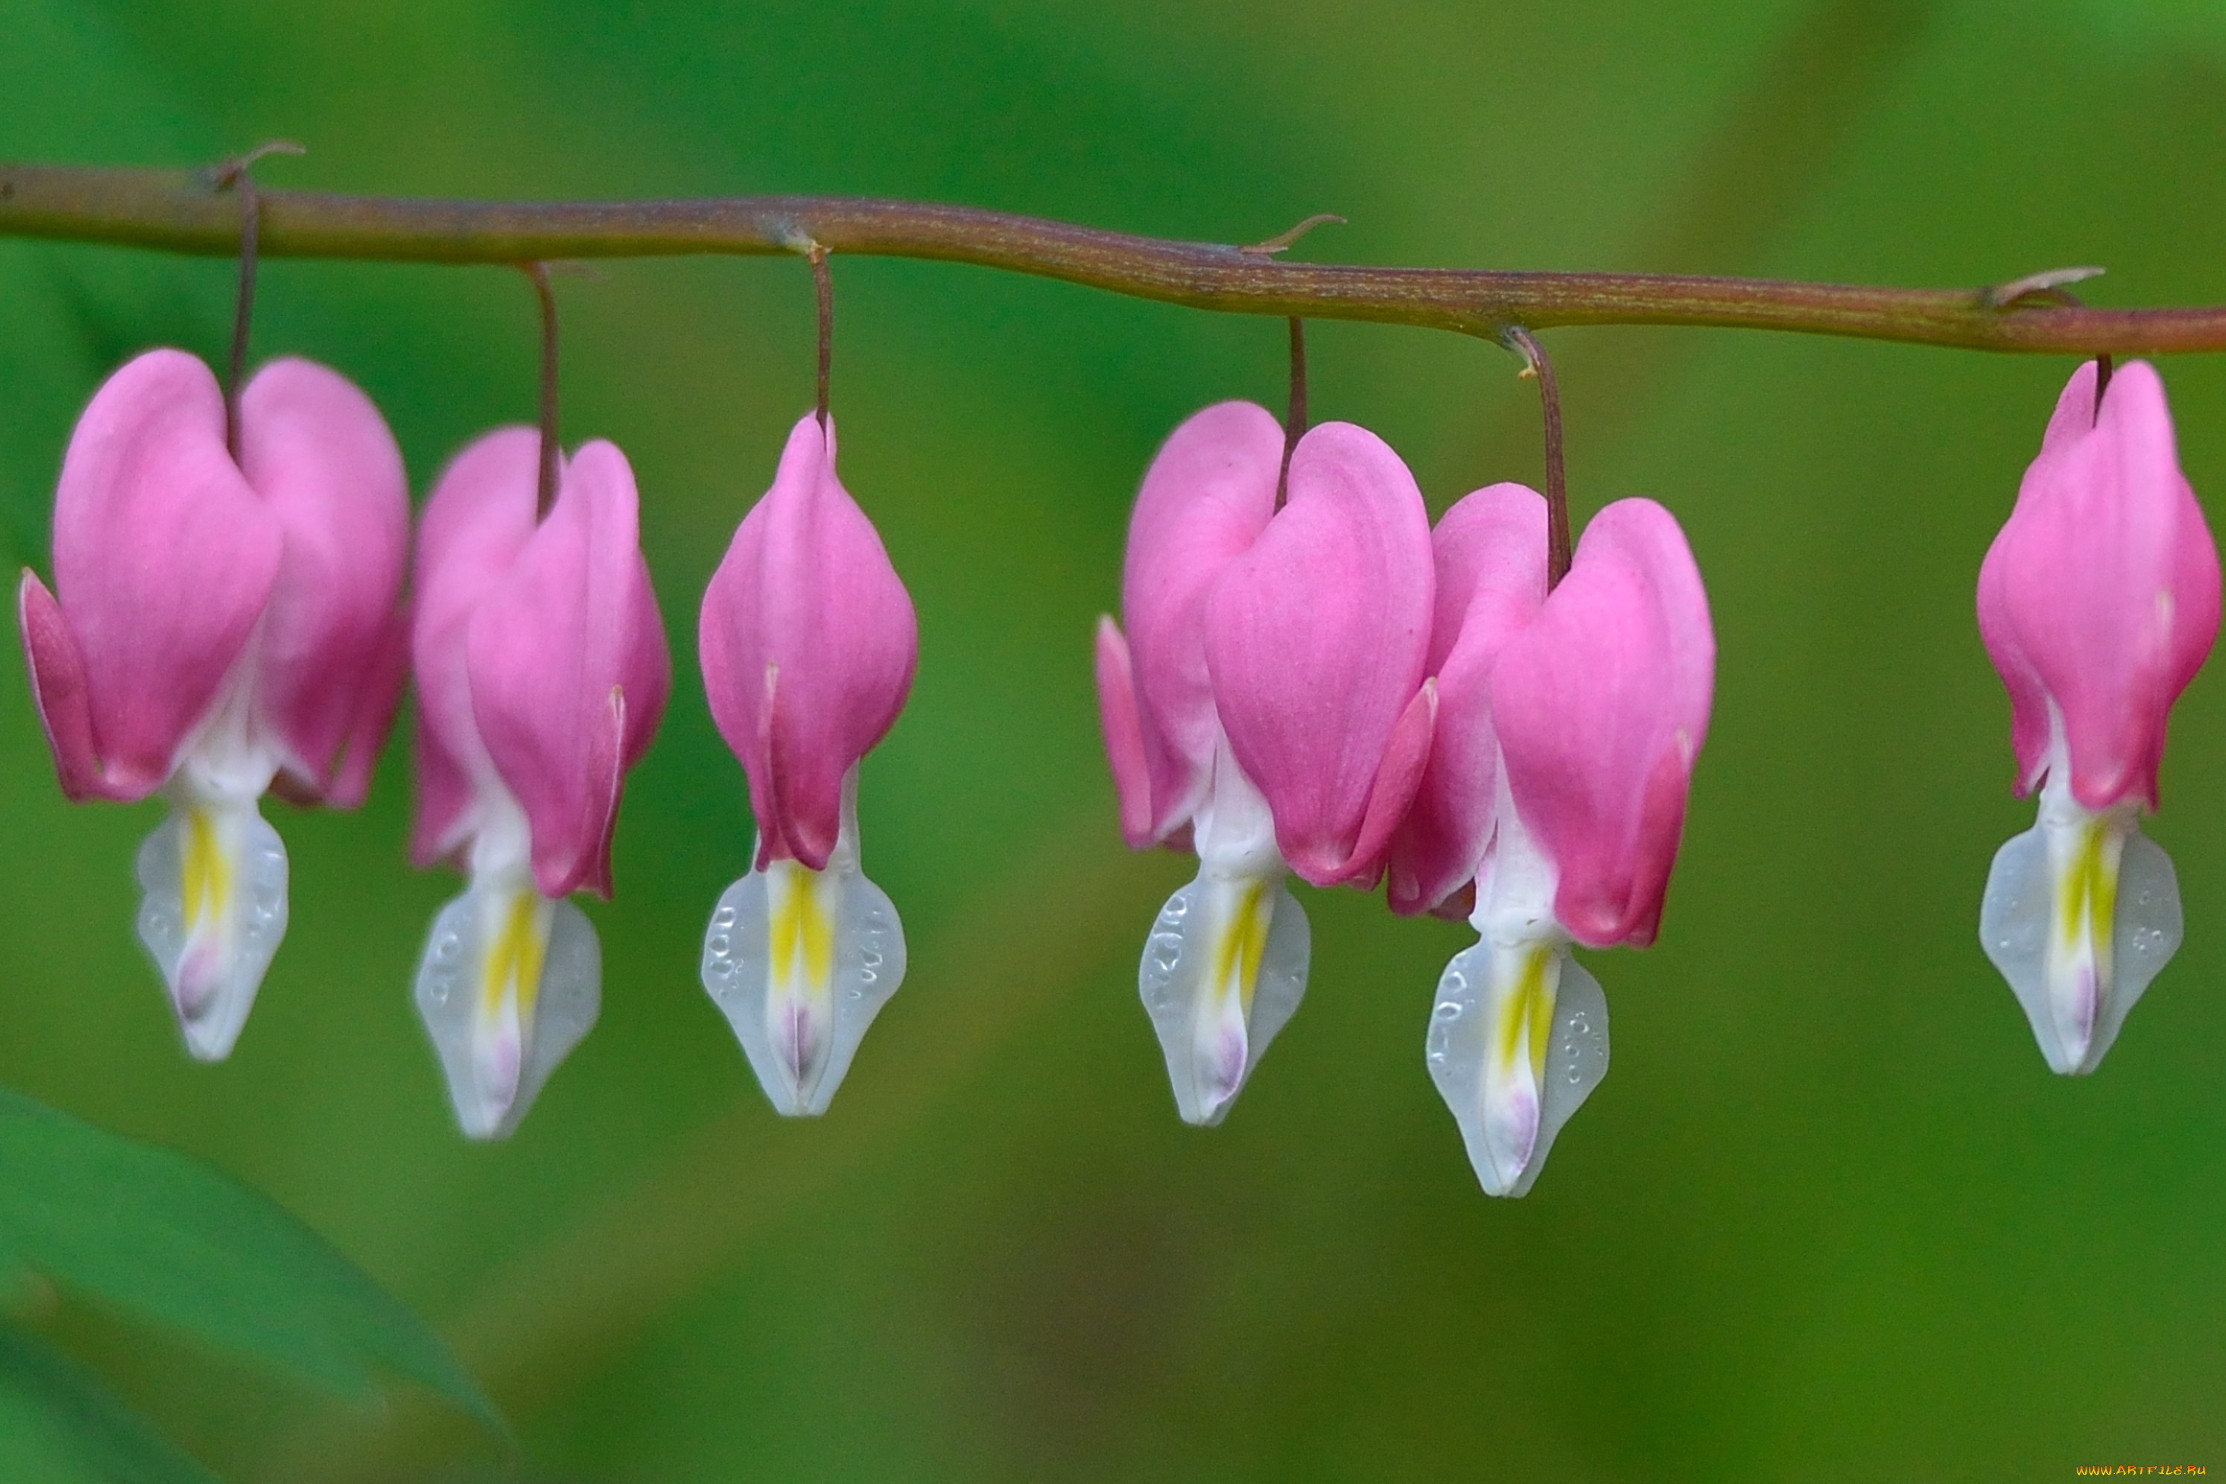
[(2098, 602), (541, 675), (1267, 708), (808, 643), (1567, 727), (220, 627)]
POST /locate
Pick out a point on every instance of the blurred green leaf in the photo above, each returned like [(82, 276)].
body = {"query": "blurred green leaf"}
[(59, 1425), (164, 1237)]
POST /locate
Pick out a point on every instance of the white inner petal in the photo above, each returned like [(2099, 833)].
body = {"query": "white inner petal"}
[(213, 909), (1223, 970), (800, 962), (1225, 965), (213, 874), (1518, 1039), (1518, 1035), (509, 983), (2081, 912)]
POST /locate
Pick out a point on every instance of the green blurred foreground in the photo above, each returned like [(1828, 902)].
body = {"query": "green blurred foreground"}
[(1829, 1216)]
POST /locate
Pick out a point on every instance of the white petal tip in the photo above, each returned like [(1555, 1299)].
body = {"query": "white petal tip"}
[(1510, 1139), (210, 1040)]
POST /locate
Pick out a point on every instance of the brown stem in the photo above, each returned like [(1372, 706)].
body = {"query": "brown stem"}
[(233, 175), (545, 492), (1537, 364), (243, 311), (1294, 411), (177, 211), (823, 294)]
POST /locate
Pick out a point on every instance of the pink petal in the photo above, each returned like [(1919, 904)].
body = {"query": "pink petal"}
[(567, 669), (1124, 735), (378, 697), (808, 642), (321, 457), (2101, 593), (58, 690), (446, 795), (476, 522), (1205, 499), (1398, 779), (2029, 722), (637, 644), (163, 561), (1490, 552), (1600, 706), (1315, 640)]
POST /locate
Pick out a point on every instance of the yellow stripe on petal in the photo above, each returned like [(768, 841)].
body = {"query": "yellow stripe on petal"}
[(2087, 893), (206, 871), (1526, 1015), (1244, 939), (514, 957), (1541, 1012), (802, 927)]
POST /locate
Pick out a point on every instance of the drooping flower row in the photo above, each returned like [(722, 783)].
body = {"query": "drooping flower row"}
[(1307, 679), (1312, 681), (1331, 689), (223, 626)]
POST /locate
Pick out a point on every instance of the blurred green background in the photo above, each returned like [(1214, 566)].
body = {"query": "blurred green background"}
[(1829, 1217)]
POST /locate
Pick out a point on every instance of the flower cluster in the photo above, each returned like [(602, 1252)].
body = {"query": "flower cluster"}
[(1333, 689), (229, 623), (1307, 679)]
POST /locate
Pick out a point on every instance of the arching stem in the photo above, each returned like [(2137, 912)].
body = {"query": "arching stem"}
[(174, 210)]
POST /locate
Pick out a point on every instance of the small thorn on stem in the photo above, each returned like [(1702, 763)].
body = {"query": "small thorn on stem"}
[(1538, 366), (1282, 241), (823, 294), (545, 492), (232, 176), (2046, 287), (1294, 415)]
